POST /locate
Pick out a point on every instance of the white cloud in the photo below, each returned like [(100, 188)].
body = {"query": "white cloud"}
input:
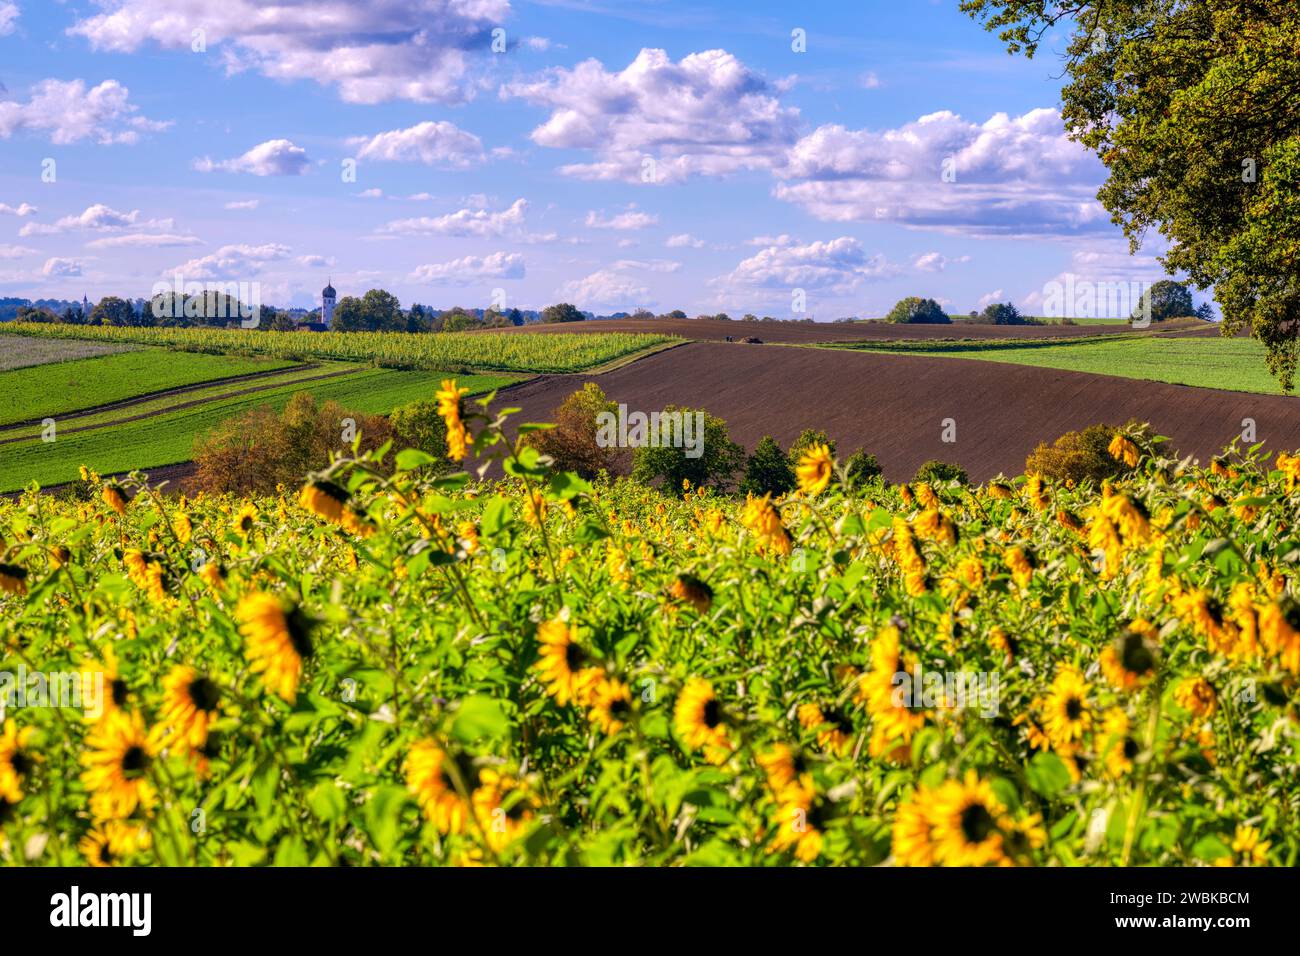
[(869, 80), (936, 262), (8, 14), (434, 144), (61, 267), (464, 222), (232, 261), (988, 299), (244, 204), (144, 240), (67, 112), (651, 265), (838, 266), (605, 288), (275, 157), (315, 262), (96, 218), (21, 210), (707, 115), (1014, 177), (375, 193), (370, 50), (16, 252), (499, 265), (684, 240), (633, 218)]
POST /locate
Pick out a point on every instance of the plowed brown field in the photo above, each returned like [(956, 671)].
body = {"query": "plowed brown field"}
[(894, 406)]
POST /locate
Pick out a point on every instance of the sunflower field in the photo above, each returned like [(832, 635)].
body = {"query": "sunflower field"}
[(384, 666)]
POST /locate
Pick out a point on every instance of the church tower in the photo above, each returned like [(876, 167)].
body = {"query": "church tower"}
[(327, 297)]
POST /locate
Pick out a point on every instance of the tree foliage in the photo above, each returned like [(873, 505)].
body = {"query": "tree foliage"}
[(918, 311)]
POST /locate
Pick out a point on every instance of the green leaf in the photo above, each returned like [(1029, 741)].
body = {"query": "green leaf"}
[(408, 459), (1047, 774), (479, 717)]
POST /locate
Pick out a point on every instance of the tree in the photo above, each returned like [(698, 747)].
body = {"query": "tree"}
[(418, 425), (935, 471), (418, 319), (862, 467), (457, 319), (675, 314), (1002, 313), (563, 312), (381, 312), (716, 465), (1192, 109), (573, 441), (807, 438), (1076, 456), (1168, 300), (767, 470), (915, 310), (348, 315), (114, 311), (35, 313)]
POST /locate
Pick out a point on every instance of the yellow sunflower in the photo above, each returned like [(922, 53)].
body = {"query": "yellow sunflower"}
[(190, 702), (834, 729), (504, 808), (1123, 450), (277, 642), (15, 761), (449, 400), (1128, 661), (115, 497), (966, 820), (119, 753), (324, 499), (1067, 716), (429, 780), (611, 704), (691, 590), (112, 841), (765, 522), (246, 519), (815, 469), (13, 579), (699, 721), (562, 663)]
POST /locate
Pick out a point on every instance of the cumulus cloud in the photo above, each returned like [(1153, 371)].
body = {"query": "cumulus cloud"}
[(605, 288), (275, 157), (21, 210), (706, 115), (370, 50), (499, 265), (315, 262), (936, 262), (838, 266), (989, 298), (632, 218), (96, 218), (434, 144), (231, 261), (482, 223), (684, 240), (651, 265), (144, 240), (16, 252), (67, 112), (61, 267), (1012, 176), (244, 204), (8, 16)]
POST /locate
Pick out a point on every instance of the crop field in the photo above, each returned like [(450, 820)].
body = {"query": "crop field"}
[(1235, 364), (457, 351), (161, 433), (41, 391), (1021, 674), (21, 352)]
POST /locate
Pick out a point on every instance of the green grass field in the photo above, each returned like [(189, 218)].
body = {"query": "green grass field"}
[(169, 437), (47, 391), (1207, 362)]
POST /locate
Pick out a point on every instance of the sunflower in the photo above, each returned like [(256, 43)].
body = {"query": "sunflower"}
[(1020, 565), (913, 843), (1067, 716), (1246, 842), (60, 556), (115, 497), (183, 527), (1196, 695), (786, 768), (102, 681), (324, 499), (966, 820), (562, 663), (611, 704), (1279, 631), (1128, 661), (111, 841), (815, 469), (1123, 450), (699, 720), (1120, 749), (246, 519), (278, 641), (691, 590), (503, 807), (15, 761), (190, 702), (449, 400), (799, 827), (834, 729), (429, 780), (117, 761), (765, 522), (13, 579)]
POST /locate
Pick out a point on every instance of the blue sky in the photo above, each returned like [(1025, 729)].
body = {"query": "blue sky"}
[(615, 155)]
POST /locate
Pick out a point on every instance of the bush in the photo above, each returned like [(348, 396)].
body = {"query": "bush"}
[(936, 471), (718, 463), (915, 310), (862, 467), (768, 470), (573, 441), (1076, 456), (562, 312), (807, 438), (260, 449), (1002, 313), (418, 425)]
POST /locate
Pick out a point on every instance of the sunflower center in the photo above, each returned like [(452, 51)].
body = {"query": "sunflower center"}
[(620, 707), (712, 715), (299, 627), (574, 656), (204, 694), (20, 762), (1130, 748), (836, 717), (977, 823), (1073, 708), (119, 692), (134, 762), (1136, 656)]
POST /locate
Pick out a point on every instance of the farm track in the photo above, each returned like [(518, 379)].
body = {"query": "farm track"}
[(173, 408), (894, 405)]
